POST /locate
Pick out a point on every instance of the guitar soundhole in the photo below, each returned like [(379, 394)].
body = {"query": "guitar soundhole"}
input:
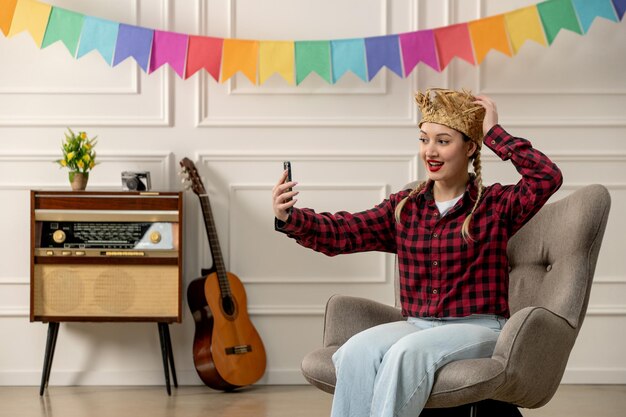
[(228, 305)]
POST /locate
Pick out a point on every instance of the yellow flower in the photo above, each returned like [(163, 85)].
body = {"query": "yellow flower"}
[(78, 151)]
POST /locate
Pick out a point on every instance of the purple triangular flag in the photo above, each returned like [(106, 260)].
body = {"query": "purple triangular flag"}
[(383, 51), (620, 8), (171, 48), (136, 42), (418, 46)]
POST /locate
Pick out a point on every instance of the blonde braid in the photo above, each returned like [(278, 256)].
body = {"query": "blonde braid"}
[(479, 183), (402, 202)]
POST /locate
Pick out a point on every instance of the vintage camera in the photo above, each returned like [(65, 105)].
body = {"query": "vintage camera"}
[(136, 180)]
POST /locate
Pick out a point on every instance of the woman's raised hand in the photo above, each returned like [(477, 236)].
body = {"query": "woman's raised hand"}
[(491, 112), (282, 195)]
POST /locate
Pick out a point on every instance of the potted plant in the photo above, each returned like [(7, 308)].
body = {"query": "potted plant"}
[(79, 157)]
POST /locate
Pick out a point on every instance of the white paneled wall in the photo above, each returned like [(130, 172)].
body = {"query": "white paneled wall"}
[(350, 144)]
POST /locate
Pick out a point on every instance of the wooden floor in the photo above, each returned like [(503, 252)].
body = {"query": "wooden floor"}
[(261, 401)]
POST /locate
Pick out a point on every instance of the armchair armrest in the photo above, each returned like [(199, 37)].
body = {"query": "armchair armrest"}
[(346, 316), (534, 347)]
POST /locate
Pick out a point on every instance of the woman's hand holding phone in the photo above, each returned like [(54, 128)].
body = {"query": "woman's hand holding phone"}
[(283, 195)]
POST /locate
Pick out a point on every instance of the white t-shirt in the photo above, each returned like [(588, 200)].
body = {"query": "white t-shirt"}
[(445, 206)]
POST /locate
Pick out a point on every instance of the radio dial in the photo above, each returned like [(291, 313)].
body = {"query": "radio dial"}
[(58, 236), (155, 237)]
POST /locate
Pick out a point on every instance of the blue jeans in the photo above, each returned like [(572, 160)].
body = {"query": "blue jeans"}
[(389, 370)]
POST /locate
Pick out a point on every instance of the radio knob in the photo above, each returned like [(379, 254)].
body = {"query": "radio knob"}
[(58, 236), (155, 237)]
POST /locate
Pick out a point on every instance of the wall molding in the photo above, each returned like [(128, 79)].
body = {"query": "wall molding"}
[(382, 85), (163, 118), (385, 261), (164, 158)]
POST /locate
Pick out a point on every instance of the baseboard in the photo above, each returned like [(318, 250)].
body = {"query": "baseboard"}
[(147, 378), (271, 377), (609, 376)]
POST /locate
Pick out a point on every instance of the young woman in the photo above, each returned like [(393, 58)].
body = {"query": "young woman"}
[(450, 235)]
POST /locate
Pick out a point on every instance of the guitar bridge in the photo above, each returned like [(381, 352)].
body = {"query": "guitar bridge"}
[(238, 350)]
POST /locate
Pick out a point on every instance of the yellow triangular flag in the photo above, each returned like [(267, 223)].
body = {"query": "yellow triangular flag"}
[(240, 55), (277, 57), (524, 24), (32, 16)]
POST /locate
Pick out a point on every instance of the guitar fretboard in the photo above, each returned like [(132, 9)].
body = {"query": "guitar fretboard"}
[(216, 251)]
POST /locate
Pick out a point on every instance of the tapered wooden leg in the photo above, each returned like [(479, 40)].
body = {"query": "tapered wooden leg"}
[(170, 354), (53, 331), (164, 355)]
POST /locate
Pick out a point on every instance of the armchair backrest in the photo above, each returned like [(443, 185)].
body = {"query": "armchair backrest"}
[(552, 258)]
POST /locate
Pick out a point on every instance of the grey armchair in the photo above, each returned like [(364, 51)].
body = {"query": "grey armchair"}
[(553, 259)]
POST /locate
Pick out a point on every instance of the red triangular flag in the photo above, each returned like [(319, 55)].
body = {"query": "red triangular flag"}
[(204, 52), (453, 40)]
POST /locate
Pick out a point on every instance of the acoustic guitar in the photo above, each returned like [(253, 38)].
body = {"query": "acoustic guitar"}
[(228, 351)]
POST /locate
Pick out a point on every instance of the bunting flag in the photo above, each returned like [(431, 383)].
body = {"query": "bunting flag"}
[(313, 56), (136, 42), (488, 34), (240, 55), (418, 47), (523, 25), (169, 48), (294, 61), (620, 8), (98, 34), (557, 15), (587, 11), (7, 8), (31, 16), (453, 41), (348, 55), (383, 51), (204, 52), (65, 26), (276, 57)]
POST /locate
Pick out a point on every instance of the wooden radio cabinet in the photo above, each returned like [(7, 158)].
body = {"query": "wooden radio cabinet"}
[(106, 256)]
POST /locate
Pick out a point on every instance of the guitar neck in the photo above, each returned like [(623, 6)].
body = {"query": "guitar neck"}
[(216, 251)]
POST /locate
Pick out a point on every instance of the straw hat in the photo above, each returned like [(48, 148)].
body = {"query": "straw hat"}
[(453, 109)]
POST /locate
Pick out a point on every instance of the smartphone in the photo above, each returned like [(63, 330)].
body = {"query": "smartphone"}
[(287, 167)]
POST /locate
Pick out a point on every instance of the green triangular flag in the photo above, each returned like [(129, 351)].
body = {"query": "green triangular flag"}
[(65, 26), (312, 56), (557, 15)]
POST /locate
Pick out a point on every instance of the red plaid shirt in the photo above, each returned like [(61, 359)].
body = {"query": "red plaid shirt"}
[(442, 275)]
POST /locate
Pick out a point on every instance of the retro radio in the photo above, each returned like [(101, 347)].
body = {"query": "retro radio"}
[(106, 256)]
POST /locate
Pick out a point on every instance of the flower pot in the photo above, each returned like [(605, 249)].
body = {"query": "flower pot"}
[(78, 180)]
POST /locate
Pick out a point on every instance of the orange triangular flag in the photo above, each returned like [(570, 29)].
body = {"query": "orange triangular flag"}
[(7, 8), (240, 55), (488, 34)]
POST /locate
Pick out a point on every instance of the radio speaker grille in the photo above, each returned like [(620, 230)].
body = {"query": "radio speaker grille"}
[(115, 291)]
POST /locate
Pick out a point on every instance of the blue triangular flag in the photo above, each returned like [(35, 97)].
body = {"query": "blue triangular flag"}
[(348, 55), (587, 11), (136, 42), (98, 34), (383, 51)]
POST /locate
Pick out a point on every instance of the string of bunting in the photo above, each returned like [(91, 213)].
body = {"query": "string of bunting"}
[(295, 60)]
